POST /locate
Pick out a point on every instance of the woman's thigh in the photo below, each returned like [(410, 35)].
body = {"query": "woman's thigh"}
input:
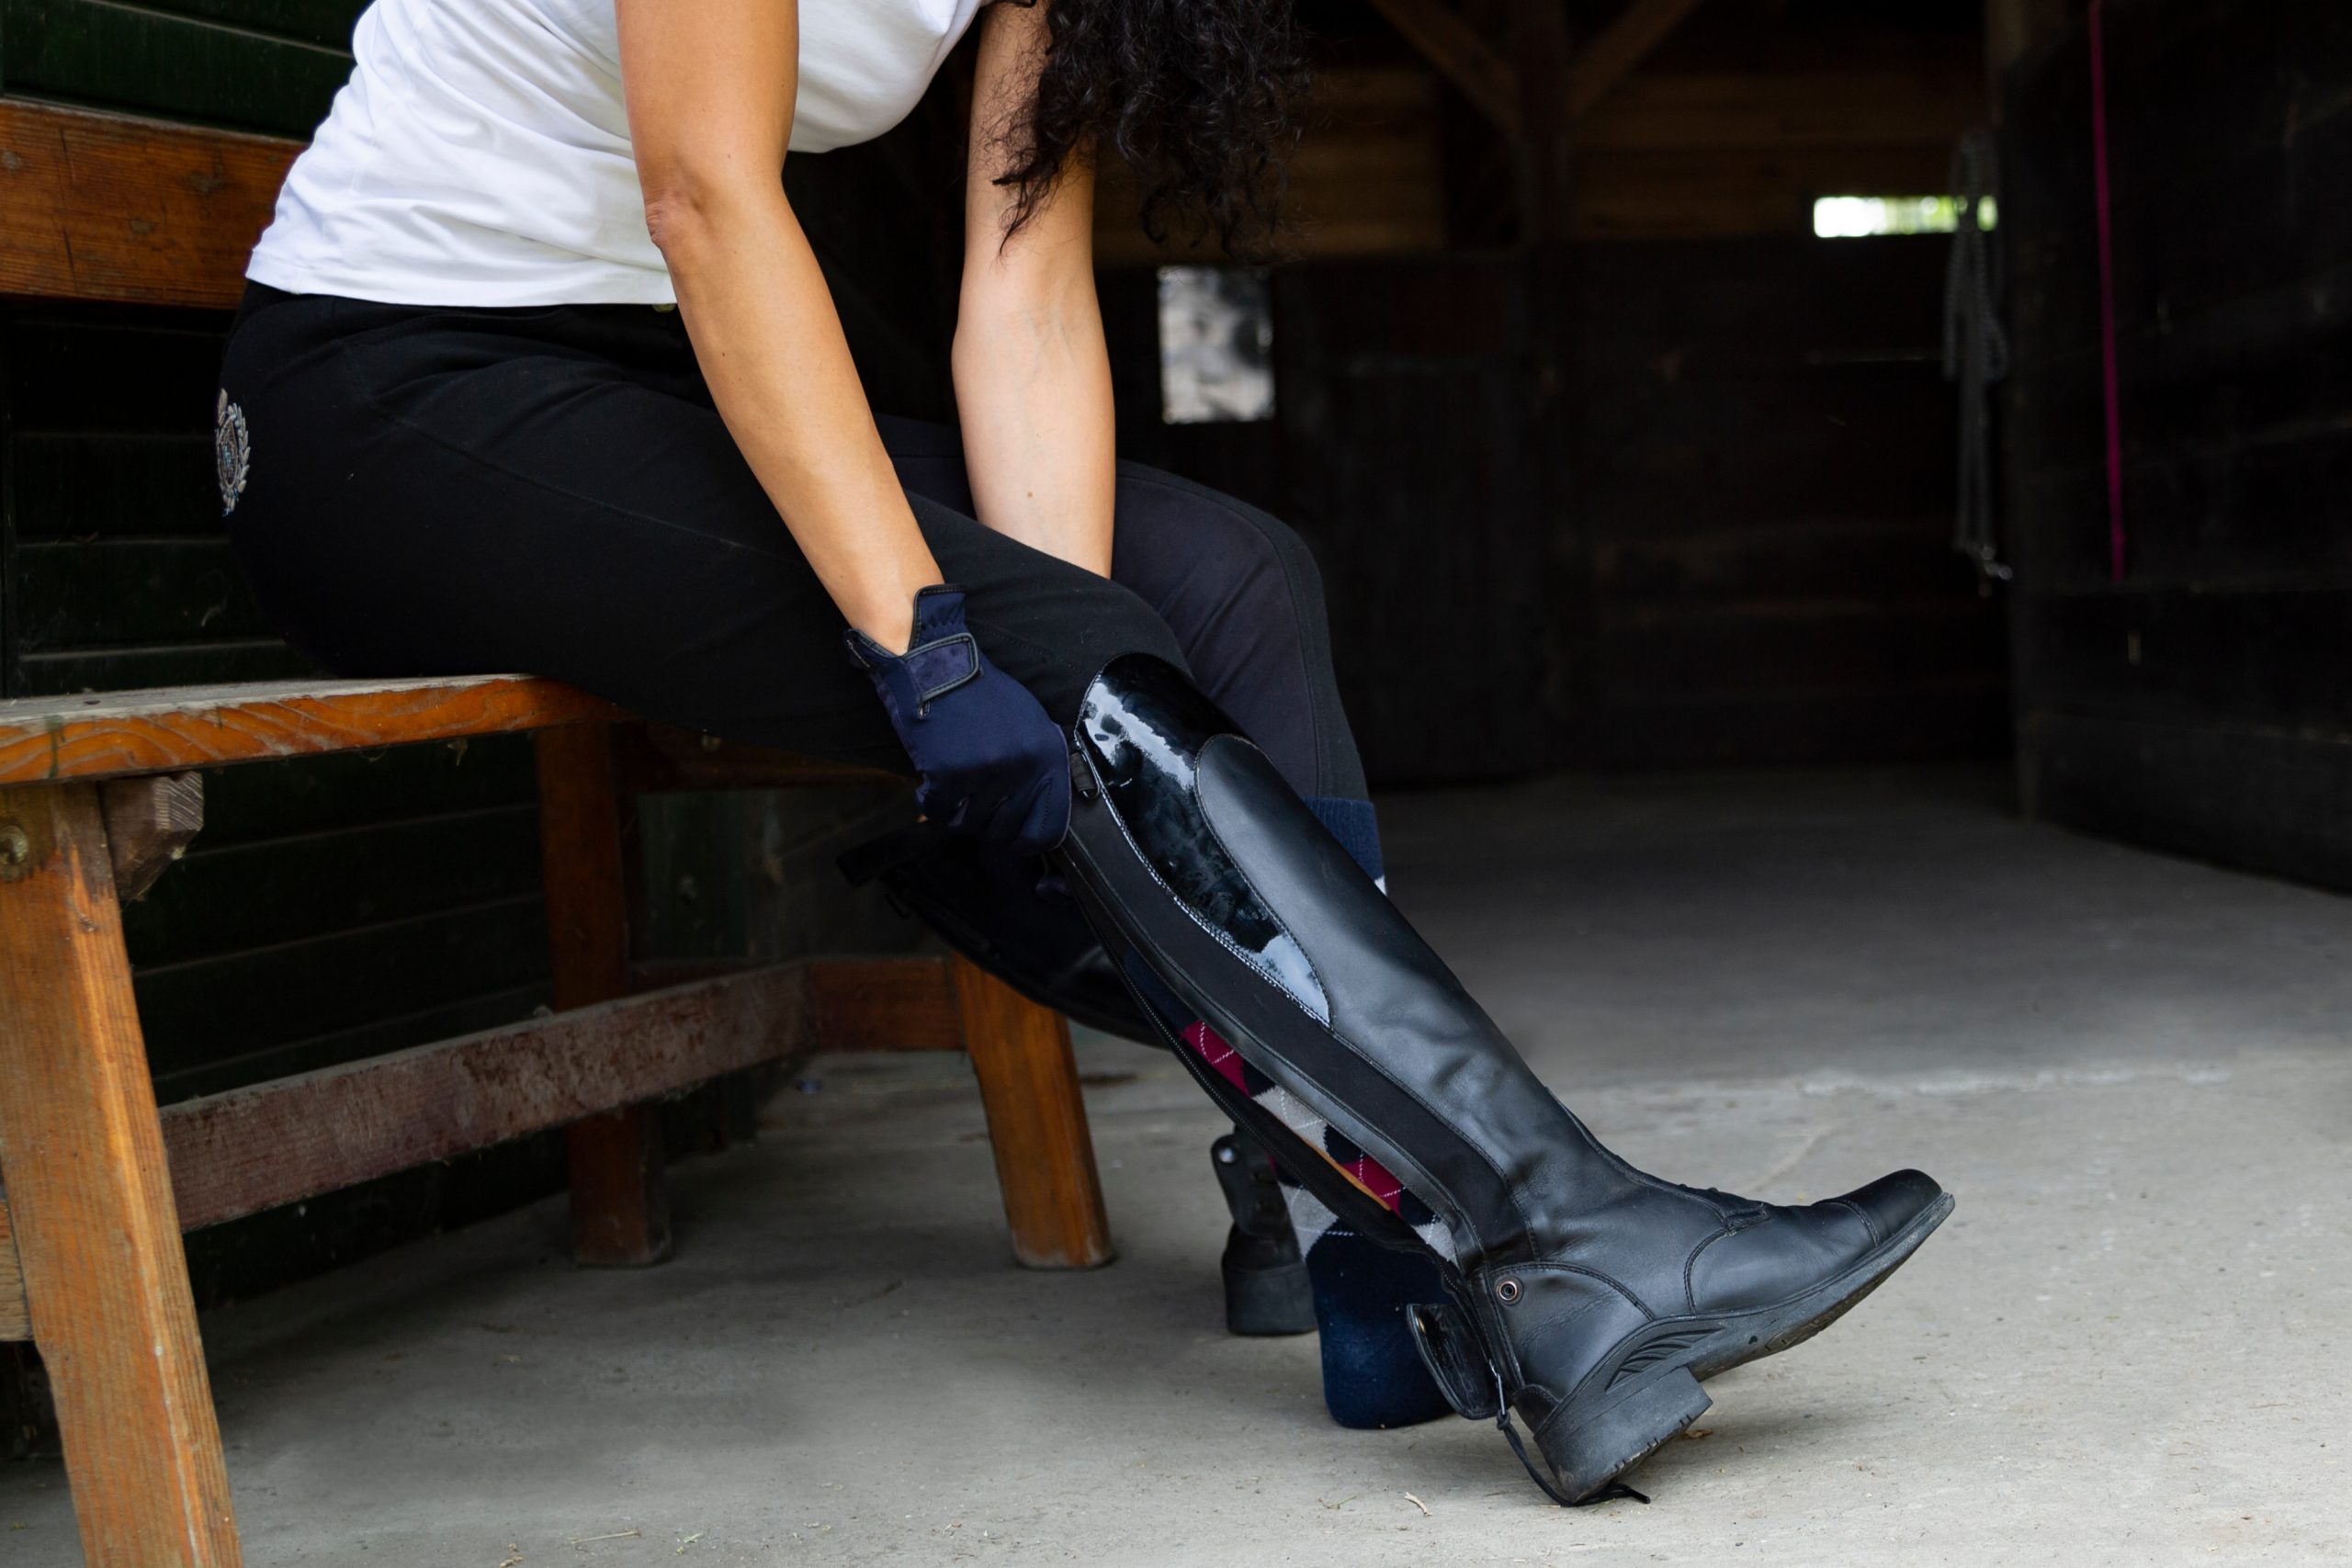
[(442, 493), (1238, 588)]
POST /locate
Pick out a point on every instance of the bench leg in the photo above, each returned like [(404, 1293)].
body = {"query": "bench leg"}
[(90, 1198), (620, 1206), (1045, 1157)]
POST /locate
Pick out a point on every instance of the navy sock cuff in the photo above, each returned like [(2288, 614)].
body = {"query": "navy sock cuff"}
[(1352, 823)]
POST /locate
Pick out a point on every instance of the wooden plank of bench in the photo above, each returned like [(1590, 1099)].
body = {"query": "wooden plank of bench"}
[(170, 729), (115, 208), (15, 1322), (250, 1149), (90, 1202)]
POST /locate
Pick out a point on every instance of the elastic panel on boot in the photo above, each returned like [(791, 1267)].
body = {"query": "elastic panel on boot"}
[(1363, 1172)]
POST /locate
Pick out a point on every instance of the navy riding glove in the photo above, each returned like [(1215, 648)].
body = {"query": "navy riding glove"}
[(991, 764)]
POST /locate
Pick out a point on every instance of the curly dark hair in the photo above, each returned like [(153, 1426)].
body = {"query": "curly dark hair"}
[(1197, 96)]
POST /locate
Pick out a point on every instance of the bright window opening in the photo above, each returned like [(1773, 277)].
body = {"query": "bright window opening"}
[(1216, 345), (1854, 217)]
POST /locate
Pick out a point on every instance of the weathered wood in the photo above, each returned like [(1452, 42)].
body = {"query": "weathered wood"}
[(1461, 55), (250, 1149), (1621, 46), (115, 207), (885, 1004), (620, 1207), (16, 1323), (150, 823), (1045, 1157), (657, 759), (91, 1203), (170, 729)]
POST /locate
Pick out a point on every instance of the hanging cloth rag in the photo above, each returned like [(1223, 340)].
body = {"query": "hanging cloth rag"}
[(1976, 346)]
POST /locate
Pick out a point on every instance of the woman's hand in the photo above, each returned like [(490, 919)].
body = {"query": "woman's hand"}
[(993, 764), (1033, 378), (710, 85)]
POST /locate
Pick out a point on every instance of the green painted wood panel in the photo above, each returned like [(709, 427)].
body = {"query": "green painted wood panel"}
[(44, 674), (327, 23), (119, 593), (101, 484), (225, 898), (318, 796), (241, 1007), (130, 57)]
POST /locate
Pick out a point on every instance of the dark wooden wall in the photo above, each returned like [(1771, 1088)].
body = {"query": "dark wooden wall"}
[(1762, 479), (1752, 562), (2204, 701), (1400, 451)]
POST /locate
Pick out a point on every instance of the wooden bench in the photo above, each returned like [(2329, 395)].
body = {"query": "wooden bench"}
[(98, 794)]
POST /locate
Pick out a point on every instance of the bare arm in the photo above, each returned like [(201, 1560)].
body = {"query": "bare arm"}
[(710, 87), (1032, 379)]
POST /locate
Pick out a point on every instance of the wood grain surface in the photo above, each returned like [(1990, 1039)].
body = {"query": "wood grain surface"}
[(886, 1004), (250, 1149), (620, 1203), (110, 207), (15, 1322), (90, 1199), (170, 729), (1045, 1156)]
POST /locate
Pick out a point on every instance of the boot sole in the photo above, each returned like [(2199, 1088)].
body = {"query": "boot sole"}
[(1635, 1421)]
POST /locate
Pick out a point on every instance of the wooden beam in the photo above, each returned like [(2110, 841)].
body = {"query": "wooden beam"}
[(253, 1148), (150, 823), (1618, 48), (885, 1004), (90, 1203), (2014, 28), (1543, 62), (173, 728), (110, 207), (16, 1324), (1461, 55), (1045, 1156)]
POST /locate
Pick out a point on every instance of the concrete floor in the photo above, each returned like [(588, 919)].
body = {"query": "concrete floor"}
[(2130, 1345)]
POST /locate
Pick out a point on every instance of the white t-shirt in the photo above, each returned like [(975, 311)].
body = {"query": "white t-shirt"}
[(480, 154)]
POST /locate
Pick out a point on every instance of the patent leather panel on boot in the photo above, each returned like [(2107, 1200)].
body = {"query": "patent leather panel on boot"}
[(1591, 1296)]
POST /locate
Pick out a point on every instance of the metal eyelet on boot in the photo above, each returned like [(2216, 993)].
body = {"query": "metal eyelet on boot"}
[(1507, 1291)]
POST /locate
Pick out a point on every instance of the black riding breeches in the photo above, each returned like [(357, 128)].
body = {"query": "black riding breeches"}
[(429, 490)]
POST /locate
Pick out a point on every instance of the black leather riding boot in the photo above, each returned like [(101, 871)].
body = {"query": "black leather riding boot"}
[(986, 905), (1587, 1297)]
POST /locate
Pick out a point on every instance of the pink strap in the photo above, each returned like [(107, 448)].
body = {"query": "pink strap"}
[(2107, 301)]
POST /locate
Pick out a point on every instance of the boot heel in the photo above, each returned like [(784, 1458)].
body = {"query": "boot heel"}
[(1586, 1449), (1269, 1299)]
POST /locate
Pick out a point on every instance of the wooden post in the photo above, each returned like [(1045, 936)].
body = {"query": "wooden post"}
[(90, 1202), (1045, 1157), (620, 1206), (2012, 29)]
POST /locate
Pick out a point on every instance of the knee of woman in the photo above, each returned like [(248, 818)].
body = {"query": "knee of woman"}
[(1267, 578), (1114, 619)]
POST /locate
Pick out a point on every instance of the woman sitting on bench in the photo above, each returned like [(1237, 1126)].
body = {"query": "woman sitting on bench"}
[(538, 372)]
